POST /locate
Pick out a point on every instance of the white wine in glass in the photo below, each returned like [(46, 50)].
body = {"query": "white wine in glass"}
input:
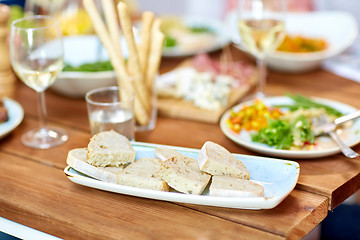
[(37, 57), (262, 29)]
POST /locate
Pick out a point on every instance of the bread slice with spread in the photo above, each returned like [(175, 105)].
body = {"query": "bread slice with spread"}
[(143, 173), (110, 148), (76, 159), (226, 186), (216, 160), (183, 174)]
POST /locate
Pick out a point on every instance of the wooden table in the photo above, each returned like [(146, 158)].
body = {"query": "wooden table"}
[(34, 190)]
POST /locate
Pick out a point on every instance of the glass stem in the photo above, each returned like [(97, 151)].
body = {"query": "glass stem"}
[(261, 64), (42, 109)]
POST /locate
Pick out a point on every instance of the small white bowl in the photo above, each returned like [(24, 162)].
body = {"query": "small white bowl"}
[(79, 50), (338, 28)]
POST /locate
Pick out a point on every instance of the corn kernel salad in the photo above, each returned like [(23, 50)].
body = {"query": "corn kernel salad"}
[(253, 117), (300, 44)]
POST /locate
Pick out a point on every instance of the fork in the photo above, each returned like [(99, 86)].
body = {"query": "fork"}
[(346, 150)]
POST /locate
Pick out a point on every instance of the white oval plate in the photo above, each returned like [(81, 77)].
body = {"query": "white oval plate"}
[(278, 178), (16, 115), (243, 138), (222, 37)]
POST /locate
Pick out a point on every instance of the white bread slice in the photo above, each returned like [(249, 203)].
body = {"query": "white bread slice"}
[(109, 148), (76, 158), (226, 186), (183, 174), (143, 173), (216, 160), (165, 153)]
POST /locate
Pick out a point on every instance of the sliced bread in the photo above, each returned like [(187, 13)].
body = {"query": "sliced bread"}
[(226, 186), (76, 158), (183, 174), (143, 173), (216, 160), (109, 148), (165, 153)]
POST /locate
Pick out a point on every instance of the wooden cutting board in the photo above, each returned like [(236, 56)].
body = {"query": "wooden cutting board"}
[(182, 109)]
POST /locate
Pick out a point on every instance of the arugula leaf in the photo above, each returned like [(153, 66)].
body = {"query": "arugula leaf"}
[(282, 135), (278, 134)]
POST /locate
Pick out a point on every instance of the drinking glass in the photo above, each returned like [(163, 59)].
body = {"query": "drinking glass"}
[(37, 57), (108, 110), (262, 29)]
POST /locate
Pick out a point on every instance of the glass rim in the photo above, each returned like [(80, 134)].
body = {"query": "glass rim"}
[(35, 17), (111, 88)]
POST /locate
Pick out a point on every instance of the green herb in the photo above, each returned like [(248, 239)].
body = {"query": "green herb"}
[(170, 41), (282, 135), (200, 29), (90, 67), (306, 103), (301, 130), (277, 134)]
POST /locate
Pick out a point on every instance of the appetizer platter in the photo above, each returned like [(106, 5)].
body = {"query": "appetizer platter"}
[(186, 36), (287, 132), (15, 115), (202, 89), (159, 172)]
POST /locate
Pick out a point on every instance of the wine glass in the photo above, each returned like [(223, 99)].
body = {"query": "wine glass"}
[(262, 29), (37, 57)]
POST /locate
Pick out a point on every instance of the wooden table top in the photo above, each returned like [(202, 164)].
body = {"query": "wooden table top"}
[(34, 190)]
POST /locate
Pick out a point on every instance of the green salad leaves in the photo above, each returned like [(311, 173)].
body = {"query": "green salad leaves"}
[(282, 134), (90, 67)]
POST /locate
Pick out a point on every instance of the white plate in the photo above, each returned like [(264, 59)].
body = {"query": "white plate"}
[(278, 177), (338, 28), (243, 138), (222, 37), (16, 115)]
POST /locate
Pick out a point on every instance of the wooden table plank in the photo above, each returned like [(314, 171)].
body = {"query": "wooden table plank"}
[(333, 172), (41, 197), (55, 156), (311, 209)]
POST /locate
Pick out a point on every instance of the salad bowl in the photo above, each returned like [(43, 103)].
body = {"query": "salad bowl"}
[(338, 29), (80, 50)]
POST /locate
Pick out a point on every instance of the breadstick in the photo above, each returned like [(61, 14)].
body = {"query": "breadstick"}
[(100, 28), (134, 67), (113, 27), (157, 41), (123, 79), (146, 23)]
